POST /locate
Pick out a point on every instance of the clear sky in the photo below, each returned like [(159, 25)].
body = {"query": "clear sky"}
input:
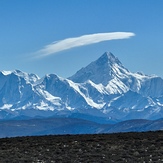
[(28, 26)]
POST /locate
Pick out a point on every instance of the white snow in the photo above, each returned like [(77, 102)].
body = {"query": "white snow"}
[(99, 87), (70, 108), (6, 72), (25, 106), (104, 84), (87, 99), (44, 106), (115, 86), (6, 106), (49, 97)]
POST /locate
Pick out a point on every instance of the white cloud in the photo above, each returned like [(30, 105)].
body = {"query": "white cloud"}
[(69, 43)]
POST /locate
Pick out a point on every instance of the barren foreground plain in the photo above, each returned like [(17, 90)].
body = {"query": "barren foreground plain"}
[(119, 147)]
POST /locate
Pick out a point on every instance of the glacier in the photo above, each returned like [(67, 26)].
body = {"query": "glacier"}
[(104, 92)]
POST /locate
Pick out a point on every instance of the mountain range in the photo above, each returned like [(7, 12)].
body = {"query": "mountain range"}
[(104, 92), (62, 126)]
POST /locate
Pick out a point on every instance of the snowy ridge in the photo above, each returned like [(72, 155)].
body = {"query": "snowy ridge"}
[(103, 89)]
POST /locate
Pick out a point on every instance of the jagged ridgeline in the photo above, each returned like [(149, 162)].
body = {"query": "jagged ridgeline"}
[(104, 91)]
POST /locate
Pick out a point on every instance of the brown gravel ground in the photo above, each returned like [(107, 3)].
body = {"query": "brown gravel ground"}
[(121, 147)]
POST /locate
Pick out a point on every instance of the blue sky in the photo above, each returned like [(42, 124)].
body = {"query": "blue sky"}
[(28, 26)]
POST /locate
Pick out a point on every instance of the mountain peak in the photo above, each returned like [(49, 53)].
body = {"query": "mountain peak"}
[(99, 71), (108, 57)]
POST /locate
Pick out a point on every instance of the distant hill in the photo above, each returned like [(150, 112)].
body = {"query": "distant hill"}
[(60, 126)]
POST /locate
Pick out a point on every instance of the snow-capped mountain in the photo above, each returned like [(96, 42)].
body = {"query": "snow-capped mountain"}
[(104, 91)]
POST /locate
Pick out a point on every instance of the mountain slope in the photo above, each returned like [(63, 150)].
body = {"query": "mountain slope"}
[(104, 89), (99, 71)]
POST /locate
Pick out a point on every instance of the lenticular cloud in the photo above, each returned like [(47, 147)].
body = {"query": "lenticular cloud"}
[(69, 43)]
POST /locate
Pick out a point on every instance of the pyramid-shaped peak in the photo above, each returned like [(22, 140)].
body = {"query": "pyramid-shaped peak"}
[(108, 57), (100, 71)]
